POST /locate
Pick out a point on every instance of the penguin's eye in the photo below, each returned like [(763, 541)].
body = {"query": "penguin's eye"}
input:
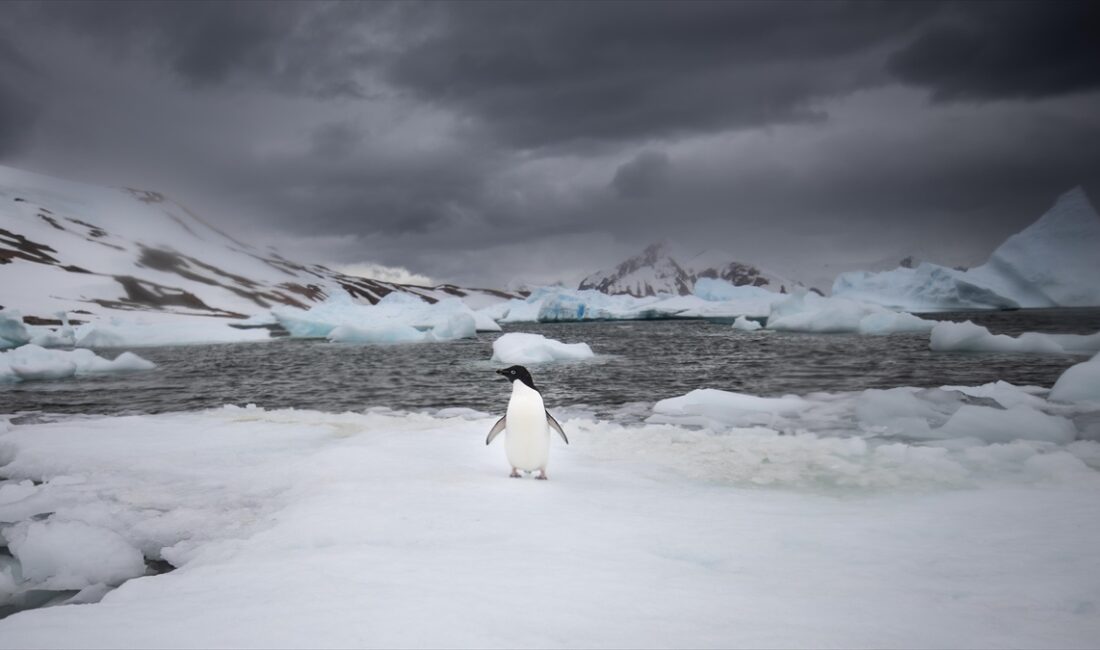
[(512, 371)]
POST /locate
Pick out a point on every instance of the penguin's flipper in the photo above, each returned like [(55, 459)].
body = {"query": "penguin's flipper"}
[(497, 428), (555, 426)]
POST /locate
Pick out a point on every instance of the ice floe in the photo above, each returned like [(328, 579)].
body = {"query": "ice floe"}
[(1079, 383), (809, 312), (32, 362), (521, 348), (397, 318), (970, 337)]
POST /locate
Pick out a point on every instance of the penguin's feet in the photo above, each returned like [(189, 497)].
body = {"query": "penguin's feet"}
[(542, 475), (515, 473)]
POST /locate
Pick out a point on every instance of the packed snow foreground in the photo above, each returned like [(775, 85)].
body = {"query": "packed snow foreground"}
[(945, 517)]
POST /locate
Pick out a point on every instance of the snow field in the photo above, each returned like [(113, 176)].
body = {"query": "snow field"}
[(726, 520)]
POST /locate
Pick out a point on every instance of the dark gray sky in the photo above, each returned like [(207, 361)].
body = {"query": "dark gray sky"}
[(482, 142)]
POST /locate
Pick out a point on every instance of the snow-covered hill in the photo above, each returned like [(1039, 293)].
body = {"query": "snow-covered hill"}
[(1054, 262), (97, 252), (656, 271)]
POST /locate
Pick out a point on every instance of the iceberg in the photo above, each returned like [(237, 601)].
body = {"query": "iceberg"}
[(32, 362), (746, 325), (805, 311), (718, 299), (13, 332), (1051, 263), (1079, 383), (969, 337), (520, 348), (396, 318)]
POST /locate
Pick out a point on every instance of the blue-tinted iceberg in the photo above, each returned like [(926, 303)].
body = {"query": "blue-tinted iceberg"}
[(1052, 263), (396, 318)]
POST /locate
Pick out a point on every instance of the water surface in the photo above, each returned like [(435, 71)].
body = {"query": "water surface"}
[(641, 361)]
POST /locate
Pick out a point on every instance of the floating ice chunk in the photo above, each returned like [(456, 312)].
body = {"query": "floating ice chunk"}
[(13, 332), (929, 287), (72, 555), (734, 409), (198, 330), (892, 323), (521, 348), (394, 319), (455, 326), (483, 322), (1004, 425), (969, 337), (31, 362), (379, 335), (746, 325), (809, 312), (1079, 383)]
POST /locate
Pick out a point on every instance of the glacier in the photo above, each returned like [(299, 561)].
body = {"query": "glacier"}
[(1051, 263)]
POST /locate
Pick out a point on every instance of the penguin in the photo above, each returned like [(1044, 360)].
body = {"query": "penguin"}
[(526, 425)]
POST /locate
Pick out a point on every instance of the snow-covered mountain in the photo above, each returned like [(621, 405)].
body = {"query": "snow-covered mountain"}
[(97, 252), (656, 271), (1054, 262)]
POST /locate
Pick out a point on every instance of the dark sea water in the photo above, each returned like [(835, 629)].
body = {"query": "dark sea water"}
[(641, 361)]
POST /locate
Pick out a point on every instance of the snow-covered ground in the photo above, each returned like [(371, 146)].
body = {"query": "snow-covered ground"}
[(134, 267), (816, 520)]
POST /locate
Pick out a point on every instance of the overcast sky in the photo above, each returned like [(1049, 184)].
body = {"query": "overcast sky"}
[(481, 143)]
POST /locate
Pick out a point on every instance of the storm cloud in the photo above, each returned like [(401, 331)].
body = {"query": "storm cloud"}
[(485, 142)]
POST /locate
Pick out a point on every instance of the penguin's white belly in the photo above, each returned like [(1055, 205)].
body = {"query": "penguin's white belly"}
[(527, 436)]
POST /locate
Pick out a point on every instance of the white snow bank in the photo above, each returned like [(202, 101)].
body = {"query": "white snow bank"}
[(1079, 383), (969, 337), (58, 555), (396, 318), (298, 528), (30, 362), (1051, 263), (746, 325), (808, 312), (995, 413), (521, 348)]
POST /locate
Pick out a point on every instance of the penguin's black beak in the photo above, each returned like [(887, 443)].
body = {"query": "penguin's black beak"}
[(499, 372)]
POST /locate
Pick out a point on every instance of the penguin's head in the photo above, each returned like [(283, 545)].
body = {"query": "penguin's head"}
[(517, 372)]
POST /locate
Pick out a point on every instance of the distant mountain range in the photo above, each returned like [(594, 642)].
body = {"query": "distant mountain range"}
[(655, 271), (98, 252)]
